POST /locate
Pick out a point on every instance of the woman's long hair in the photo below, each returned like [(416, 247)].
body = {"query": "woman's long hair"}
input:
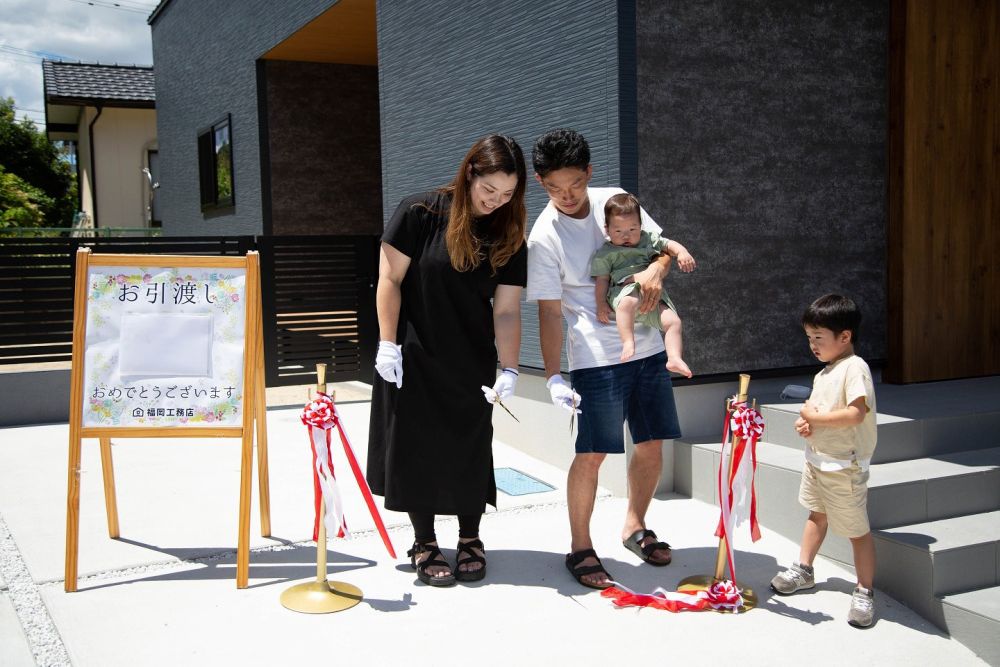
[(491, 154)]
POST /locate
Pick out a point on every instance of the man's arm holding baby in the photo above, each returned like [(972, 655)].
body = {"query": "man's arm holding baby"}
[(650, 281)]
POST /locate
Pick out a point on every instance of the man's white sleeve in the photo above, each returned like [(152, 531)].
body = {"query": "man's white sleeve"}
[(544, 274)]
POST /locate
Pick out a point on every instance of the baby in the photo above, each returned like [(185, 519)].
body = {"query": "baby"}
[(630, 250)]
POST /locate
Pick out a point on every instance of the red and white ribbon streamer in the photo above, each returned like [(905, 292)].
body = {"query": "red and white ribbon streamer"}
[(721, 596), (737, 492), (321, 416), (366, 491)]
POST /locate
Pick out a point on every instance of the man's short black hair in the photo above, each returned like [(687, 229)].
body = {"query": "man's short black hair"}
[(558, 149), (834, 312)]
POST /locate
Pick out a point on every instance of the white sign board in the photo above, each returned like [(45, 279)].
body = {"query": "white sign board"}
[(164, 346)]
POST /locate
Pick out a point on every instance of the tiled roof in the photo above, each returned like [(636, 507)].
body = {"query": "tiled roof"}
[(127, 85)]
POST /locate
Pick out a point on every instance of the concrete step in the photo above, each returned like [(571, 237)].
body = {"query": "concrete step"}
[(973, 618), (920, 563), (901, 437), (929, 489), (899, 493)]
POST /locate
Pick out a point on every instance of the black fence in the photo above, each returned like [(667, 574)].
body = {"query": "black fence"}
[(318, 298), (319, 306)]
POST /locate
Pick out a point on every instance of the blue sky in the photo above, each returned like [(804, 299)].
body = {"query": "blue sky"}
[(105, 31)]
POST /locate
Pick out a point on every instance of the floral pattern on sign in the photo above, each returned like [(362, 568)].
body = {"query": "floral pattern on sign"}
[(204, 401)]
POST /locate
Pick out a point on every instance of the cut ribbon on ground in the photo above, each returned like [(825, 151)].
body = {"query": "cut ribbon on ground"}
[(721, 596)]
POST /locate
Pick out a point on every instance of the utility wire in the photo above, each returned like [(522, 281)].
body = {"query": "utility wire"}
[(18, 55), (14, 58), (133, 7), (18, 51)]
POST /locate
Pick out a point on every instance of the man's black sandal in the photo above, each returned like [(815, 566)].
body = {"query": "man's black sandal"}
[(634, 544), (434, 559), (578, 571), (466, 549)]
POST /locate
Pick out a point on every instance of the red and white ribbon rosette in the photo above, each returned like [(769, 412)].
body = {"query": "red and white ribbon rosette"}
[(721, 596), (737, 492), (320, 416)]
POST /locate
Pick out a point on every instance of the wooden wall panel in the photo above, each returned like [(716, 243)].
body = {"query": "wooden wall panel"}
[(944, 185)]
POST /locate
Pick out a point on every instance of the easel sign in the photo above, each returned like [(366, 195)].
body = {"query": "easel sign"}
[(166, 346)]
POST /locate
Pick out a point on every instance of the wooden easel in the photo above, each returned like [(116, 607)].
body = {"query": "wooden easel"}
[(253, 407)]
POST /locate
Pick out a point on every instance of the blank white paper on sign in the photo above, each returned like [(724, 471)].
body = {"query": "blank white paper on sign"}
[(166, 345)]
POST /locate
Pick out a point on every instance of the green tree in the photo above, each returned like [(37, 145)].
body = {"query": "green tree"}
[(37, 188), (21, 204)]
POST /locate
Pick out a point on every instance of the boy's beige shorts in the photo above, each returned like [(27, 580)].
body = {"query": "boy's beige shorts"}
[(842, 495)]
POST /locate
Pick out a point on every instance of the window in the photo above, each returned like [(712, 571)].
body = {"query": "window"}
[(215, 165)]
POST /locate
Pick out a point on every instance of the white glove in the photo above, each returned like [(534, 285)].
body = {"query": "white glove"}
[(389, 362), (563, 396), (503, 387)]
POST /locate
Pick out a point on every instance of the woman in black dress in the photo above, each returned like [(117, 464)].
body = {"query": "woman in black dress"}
[(451, 268)]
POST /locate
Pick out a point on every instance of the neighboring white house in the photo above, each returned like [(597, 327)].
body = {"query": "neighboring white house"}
[(110, 112)]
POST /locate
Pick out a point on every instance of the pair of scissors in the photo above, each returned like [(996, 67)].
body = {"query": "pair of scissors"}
[(499, 402), (572, 415)]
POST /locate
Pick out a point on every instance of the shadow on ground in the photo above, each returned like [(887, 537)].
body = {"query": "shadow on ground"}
[(287, 563)]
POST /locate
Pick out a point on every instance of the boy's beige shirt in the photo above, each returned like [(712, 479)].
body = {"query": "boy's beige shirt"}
[(835, 387)]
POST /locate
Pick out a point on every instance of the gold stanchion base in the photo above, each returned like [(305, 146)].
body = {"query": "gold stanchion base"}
[(321, 597), (702, 582)]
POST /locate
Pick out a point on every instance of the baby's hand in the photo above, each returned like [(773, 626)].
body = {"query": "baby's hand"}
[(802, 427), (604, 313), (686, 262)]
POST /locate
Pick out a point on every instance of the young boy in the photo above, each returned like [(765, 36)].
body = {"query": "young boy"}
[(628, 251), (838, 423)]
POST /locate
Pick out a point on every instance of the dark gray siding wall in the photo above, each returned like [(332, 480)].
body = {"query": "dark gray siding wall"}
[(323, 132), (205, 53), (762, 131), (451, 72)]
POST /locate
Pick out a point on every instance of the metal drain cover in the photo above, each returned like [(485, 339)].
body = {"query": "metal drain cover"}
[(516, 483)]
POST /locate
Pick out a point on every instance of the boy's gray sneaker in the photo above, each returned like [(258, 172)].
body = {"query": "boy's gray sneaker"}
[(862, 613), (795, 578)]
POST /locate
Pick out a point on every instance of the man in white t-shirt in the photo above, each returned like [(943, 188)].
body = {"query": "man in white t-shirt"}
[(604, 391)]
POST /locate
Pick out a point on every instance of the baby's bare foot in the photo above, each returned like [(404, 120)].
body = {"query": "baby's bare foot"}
[(678, 366), (628, 349)]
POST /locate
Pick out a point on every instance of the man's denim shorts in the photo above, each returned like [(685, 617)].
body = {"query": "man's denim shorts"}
[(639, 391)]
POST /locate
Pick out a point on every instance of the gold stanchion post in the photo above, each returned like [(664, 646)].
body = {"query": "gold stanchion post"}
[(321, 596), (702, 582)]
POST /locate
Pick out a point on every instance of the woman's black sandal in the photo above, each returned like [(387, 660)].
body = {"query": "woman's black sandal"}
[(471, 556), (578, 571), (434, 559)]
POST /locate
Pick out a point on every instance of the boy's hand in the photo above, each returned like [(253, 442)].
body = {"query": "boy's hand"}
[(806, 412), (604, 312), (686, 262)]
